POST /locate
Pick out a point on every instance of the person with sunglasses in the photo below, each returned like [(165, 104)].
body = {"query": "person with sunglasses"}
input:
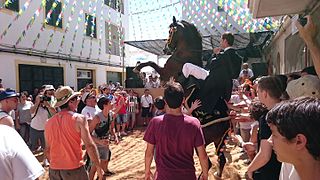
[(65, 133)]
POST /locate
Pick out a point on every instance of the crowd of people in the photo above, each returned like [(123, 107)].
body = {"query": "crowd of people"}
[(48, 122), (274, 120)]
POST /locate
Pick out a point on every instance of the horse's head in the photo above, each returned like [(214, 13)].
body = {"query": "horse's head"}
[(172, 40)]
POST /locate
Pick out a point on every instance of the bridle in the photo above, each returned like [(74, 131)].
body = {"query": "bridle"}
[(172, 31)]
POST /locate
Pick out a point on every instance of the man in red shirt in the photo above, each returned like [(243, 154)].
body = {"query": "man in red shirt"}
[(174, 136)]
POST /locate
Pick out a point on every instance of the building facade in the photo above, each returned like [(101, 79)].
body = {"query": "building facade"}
[(286, 52), (62, 42)]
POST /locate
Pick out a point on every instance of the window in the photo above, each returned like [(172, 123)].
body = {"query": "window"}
[(113, 39), (114, 76), (56, 8), (91, 25), (84, 74), (115, 4), (84, 77), (32, 76), (11, 4)]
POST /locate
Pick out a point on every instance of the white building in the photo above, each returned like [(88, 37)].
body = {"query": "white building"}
[(287, 53), (69, 42)]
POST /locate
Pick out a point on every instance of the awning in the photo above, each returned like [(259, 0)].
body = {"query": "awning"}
[(245, 42)]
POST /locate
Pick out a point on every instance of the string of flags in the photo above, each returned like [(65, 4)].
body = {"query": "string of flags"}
[(205, 13), (74, 4), (59, 19), (30, 23), (21, 11), (76, 28), (46, 21)]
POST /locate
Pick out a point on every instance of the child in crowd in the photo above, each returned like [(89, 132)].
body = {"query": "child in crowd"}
[(159, 104)]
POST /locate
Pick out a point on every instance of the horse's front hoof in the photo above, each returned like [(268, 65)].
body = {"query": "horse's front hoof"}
[(135, 70)]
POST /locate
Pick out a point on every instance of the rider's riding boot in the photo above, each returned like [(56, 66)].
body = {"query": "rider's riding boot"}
[(192, 82), (188, 83), (182, 80)]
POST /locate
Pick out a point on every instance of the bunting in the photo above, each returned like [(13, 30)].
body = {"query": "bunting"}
[(74, 4), (48, 17), (21, 11), (76, 28), (65, 5), (30, 23)]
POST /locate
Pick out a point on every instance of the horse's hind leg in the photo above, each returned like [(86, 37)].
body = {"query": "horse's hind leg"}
[(220, 145), (221, 159)]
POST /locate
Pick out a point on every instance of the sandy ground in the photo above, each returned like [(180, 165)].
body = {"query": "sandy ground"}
[(128, 160)]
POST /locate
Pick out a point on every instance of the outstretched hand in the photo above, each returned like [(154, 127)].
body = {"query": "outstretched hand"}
[(195, 104)]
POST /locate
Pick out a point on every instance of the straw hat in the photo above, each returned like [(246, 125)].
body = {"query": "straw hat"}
[(64, 94), (307, 85)]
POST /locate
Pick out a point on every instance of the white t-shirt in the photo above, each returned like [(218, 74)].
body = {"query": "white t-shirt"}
[(146, 100), (288, 172), (16, 160), (39, 121), (90, 112)]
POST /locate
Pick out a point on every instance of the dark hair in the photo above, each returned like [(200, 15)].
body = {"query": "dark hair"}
[(294, 76), (283, 79), (246, 87), (159, 103), (273, 85), (257, 109), (24, 93), (299, 116), (310, 70), (173, 94), (64, 106), (102, 101), (229, 37)]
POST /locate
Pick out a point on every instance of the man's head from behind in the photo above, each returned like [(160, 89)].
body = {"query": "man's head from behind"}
[(159, 103), (295, 128), (173, 95)]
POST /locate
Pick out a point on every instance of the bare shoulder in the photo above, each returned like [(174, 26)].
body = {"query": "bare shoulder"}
[(7, 121), (80, 119)]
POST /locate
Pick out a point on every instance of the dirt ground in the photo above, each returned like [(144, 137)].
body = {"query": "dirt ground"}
[(128, 160)]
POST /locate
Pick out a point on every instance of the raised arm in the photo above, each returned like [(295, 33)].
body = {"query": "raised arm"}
[(309, 34)]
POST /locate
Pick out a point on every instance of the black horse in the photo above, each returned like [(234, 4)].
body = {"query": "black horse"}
[(185, 44)]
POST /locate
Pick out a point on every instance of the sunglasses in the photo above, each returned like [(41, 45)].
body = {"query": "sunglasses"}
[(75, 98)]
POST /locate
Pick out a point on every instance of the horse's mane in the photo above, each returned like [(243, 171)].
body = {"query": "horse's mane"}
[(193, 37)]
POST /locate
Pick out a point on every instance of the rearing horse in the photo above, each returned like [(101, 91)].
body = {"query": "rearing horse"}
[(185, 44)]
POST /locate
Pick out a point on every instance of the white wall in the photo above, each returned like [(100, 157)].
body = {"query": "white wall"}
[(18, 26), (9, 69), (9, 61)]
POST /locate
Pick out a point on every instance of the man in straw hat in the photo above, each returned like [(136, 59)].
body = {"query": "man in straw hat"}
[(64, 133)]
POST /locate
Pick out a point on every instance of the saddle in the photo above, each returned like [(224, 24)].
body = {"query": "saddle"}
[(219, 113)]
